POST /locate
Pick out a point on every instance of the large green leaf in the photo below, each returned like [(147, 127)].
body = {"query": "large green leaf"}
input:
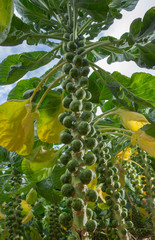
[(16, 66), (6, 12), (140, 88), (19, 31), (30, 12), (149, 129), (141, 85)]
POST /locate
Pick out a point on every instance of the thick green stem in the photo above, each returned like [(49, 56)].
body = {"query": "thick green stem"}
[(89, 21), (74, 20), (48, 36)]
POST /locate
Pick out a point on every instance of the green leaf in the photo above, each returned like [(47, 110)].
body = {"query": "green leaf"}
[(34, 234), (140, 85), (6, 12), (19, 31), (46, 190), (32, 13), (39, 164), (149, 129), (21, 87), (98, 89), (55, 176), (16, 66)]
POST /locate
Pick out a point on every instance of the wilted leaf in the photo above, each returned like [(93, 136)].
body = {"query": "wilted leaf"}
[(132, 120), (144, 141), (16, 126), (124, 154)]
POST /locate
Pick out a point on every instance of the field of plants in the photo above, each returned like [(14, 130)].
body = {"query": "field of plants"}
[(67, 172)]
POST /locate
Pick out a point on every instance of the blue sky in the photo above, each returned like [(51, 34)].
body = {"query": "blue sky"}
[(116, 30)]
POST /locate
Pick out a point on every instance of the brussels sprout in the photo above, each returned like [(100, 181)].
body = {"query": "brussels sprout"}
[(88, 95), (88, 106), (71, 46), (84, 81), (66, 178), (109, 191), (85, 62), (80, 50), (69, 57), (80, 94), (74, 73), (61, 117), (91, 143), (87, 116), (67, 67), (86, 176), (84, 128), (117, 185), (69, 202), (117, 195), (77, 204), (70, 87), (116, 177), (109, 181), (124, 231), (110, 172), (109, 164), (76, 106), (73, 165), (65, 137), (77, 145), (89, 213), (66, 102), (77, 61), (85, 71), (116, 206), (69, 121), (89, 158), (67, 190), (65, 219), (91, 195), (91, 226)]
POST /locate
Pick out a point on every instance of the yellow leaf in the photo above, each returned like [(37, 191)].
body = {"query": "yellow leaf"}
[(145, 142), (48, 125), (93, 183), (28, 217), (143, 212), (16, 126), (125, 154), (101, 194), (132, 120), (26, 207)]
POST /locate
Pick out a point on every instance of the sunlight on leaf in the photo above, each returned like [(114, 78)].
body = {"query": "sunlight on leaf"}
[(16, 126), (101, 194), (132, 120), (48, 125), (31, 197), (144, 141)]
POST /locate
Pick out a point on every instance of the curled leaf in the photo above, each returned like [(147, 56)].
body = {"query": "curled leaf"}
[(144, 141), (132, 120), (16, 126)]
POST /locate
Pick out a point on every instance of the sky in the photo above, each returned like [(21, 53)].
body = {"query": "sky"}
[(116, 30)]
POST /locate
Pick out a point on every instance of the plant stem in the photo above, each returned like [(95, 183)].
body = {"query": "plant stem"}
[(74, 20), (48, 36), (46, 92), (69, 13), (45, 78), (115, 133), (113, 128), (108, 113), (89, 21), (96, 45)]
